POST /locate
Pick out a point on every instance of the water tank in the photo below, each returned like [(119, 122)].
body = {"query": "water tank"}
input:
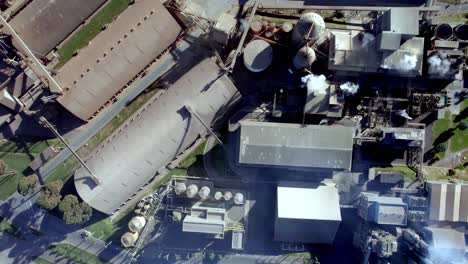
[(239, 198), (129, 239), (443, 31), (304, 58), (180, 188), (256, 27), (227, 195), (204, 192), (218, 196), (192, 190), (304, 25), (258, 55), (461, 32), (136, 224), (146, 206)]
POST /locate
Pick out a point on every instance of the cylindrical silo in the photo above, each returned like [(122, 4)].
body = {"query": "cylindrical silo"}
[(227, 195), (258, 55), (311, 23), (129, 239), (204, 192), (218, 196), (461, 32), (239, 198), (256, 27), (443, 31), (304, 58), (136, 224), (192, 190), (180, 188)]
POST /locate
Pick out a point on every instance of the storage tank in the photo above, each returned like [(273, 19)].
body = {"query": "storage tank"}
[(239, 198), (137, 223), (258, 55), (443, 31), (304, 58), (218, 196), (180, 188), (256, 27), (192, 190), (227, 195), (304, 25), (461, 32), (129, 239), (204, 192)]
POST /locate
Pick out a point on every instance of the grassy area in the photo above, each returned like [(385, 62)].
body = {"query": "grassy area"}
[(438, 173), (17, 154), (111, 230), (65, 170), (75, 255), (89, 31), (405, 170), (440, 126), (40, 260), (7, 227), (459, 140), (455, 18)]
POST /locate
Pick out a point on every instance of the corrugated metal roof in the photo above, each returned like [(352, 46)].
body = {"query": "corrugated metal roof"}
[(116, 56), (402, 20), (200, 225), (295, 145), (389, 40), (448, 201), (237, 240)]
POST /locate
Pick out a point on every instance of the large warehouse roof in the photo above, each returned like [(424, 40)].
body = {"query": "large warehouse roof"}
[(155, 136), (295, 145), (448, 201), (43, 24), (116, 56)]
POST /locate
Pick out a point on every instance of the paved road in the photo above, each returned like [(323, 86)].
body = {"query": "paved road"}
[(76, 140)]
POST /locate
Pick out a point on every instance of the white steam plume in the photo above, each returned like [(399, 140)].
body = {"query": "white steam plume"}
[(315, 84), (408, 63), (349, 87), (439, 65), (404, 114)]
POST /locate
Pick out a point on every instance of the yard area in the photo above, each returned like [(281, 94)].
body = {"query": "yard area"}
[(455, 18), (90, 30), (17, 154), (459, 140), (408, 173), (75, 255)]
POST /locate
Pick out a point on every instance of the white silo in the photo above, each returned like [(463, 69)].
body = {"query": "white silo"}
[(137, 223), (239, 198), (218, 196), (304, 58), (204, 192), (309, 22), (192, 190), (129, 239), (180, 188), (227, 195)]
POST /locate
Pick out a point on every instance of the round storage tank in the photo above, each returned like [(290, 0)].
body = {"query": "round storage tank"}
[(129, 239), (204, 192), (461, 32), (239, 198), (137, 223), (218, 196), (303, 27), (256, 27), (180, 188), (192, 190), (258, 55), (443, 31), (227, 195), (304, 58)]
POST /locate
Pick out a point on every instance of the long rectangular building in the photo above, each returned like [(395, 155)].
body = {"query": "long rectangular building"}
[(295, 145), (448, 201)]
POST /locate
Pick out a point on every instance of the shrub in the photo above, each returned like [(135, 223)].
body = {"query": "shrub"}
[(27, 184)]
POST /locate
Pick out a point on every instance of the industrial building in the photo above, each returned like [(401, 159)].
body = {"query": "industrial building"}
[(133, 155), (448, 201), (115, 56), (307, 213), (383, 210), (205, 220), (295, 145), (447, 245)]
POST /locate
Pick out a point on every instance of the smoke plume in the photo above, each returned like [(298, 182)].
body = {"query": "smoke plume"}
[(315, 84), (439, 65), (349, 87)]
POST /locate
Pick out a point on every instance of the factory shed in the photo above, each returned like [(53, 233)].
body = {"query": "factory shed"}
[(156, 134), (383, 210), (115, 56), (448, 201), (43, 24), (400, 20), (307, 213), (447, 244), (207, 220), (295, 145)]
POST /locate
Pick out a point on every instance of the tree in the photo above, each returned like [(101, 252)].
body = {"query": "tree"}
[(440, 148), (463, 125), (27, 184), (50, 196), (74, 212)]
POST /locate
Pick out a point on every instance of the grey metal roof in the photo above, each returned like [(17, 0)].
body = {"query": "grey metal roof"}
[(116, 56), (447, 243), (200, 225), (403, 20), (448, 201), (134, 153), (385, 210), (43, 24), (294, 145), (389, 40)]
